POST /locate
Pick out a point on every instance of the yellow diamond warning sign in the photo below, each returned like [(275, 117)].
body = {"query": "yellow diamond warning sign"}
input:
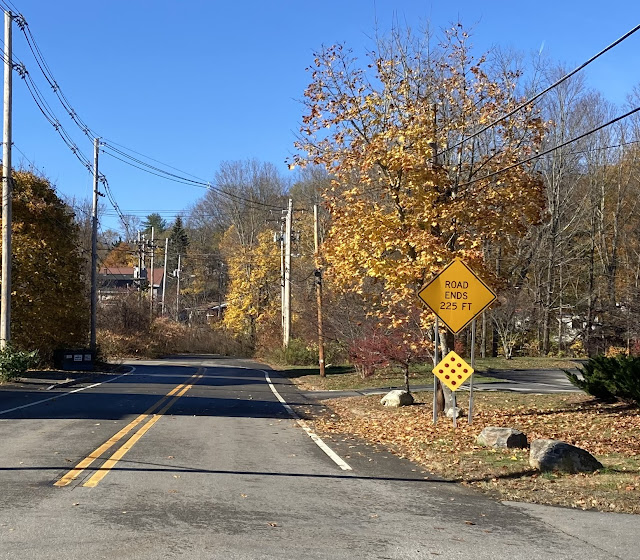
[(457, 295), (452, 371)]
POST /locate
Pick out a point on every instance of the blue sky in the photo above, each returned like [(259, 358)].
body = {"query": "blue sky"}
[(193, 83)]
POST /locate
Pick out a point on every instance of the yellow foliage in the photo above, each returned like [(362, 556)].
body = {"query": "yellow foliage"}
[(49, 294), (254, 289), (407, 195)]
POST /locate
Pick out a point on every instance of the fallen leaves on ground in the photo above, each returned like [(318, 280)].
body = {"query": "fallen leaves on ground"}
[(611, 432)]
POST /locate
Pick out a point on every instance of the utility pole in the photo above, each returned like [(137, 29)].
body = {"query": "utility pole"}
[(94, 247), (318, 276), (220, 268), (281, 240), (178, 290), (287, 276), (153, 254), (164, 276), (7, 190), (139, 259)]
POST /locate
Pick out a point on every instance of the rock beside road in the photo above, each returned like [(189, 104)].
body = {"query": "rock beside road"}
[(556, 455), (396, 398), (502, 438)]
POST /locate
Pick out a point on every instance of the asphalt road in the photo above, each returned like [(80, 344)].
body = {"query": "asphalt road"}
[(538, 381), (199, 458)]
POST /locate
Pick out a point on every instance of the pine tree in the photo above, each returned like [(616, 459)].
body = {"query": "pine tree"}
[(178, 243), (155, 221)]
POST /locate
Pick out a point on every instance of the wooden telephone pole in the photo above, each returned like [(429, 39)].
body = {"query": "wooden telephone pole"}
[(7, 190), (286, 304), (94, 247), (318, 276)]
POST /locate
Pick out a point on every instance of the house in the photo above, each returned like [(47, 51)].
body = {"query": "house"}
[(114, 282)]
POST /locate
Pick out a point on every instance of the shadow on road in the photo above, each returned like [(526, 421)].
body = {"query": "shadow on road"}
[(223, 392), (181, 469)]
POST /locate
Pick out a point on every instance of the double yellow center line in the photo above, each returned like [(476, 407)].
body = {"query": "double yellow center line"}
[(74, 473)]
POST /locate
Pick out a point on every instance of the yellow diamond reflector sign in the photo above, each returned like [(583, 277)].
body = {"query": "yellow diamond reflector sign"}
[(457, 295), (452, 371)]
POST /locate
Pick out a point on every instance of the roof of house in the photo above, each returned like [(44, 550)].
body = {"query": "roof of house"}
[(126, 272), (117, 270)]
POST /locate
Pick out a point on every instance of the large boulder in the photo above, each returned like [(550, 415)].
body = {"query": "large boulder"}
[(396, 398), (506, 438), (556, 455)]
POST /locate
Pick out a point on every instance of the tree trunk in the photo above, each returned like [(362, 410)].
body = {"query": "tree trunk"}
[(447, 343), (405, 368)]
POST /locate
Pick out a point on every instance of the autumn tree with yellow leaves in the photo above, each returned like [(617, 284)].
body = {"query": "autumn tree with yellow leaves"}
[(50, 299), (413, 187), (245, 206), (253, 297)]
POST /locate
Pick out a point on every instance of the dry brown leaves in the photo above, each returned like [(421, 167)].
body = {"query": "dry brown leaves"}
[(611, 432)]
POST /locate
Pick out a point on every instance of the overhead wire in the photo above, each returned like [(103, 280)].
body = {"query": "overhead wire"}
[(159, 172), (112, 143), (109, 147), (22, 24), (553, 149), (33, 165), (533, 99)]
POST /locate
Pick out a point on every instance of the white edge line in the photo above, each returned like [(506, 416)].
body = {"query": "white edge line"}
[(317, 440), (133, 368)]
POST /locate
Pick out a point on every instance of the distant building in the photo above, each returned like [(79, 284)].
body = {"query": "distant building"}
[(115, 282)]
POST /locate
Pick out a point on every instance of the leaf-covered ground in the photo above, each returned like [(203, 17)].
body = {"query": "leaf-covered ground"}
[(611, 432)]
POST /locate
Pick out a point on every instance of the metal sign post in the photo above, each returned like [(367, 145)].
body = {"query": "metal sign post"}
[(453, 371), (473, 366), (436, 331)]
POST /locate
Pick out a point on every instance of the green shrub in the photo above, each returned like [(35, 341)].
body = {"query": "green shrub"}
[(14, 363), (298, 353), (597, 378), (335, 353), (610, 378), (627, 378)]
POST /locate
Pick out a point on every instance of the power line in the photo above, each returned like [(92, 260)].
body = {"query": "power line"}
[(50, 116), (112, 199), (107, 145), (22, 24), (112, 143), (159, 172), (538, 95), (33, 165), (110, 148), (553, 149)]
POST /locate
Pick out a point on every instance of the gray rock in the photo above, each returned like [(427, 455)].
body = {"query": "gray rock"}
[(458, 411), (508, 438), (396, 398), (556, 455)]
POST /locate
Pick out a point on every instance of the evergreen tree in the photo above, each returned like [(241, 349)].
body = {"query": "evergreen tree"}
[(155, 221), (178, 244)]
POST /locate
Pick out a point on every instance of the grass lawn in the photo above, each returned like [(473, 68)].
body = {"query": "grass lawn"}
[(484, 364), (611, 432)]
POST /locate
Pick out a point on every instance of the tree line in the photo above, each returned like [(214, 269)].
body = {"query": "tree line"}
[(418, 152)]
